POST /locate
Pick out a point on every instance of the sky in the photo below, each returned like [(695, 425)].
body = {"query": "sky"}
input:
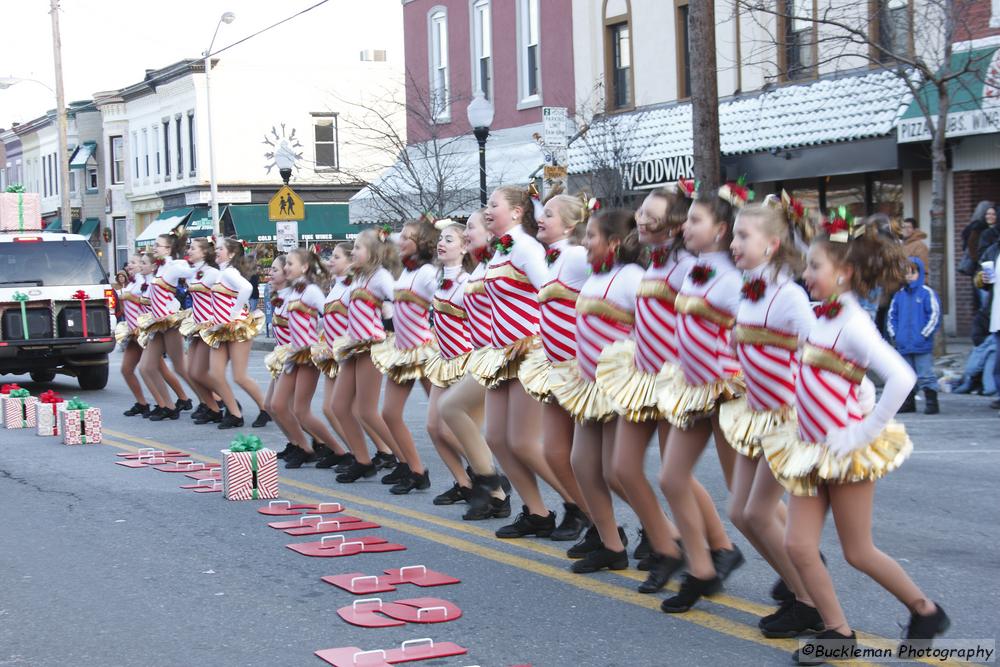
[(108, 44)]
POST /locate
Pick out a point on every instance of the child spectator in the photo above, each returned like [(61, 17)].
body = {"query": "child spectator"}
[(914, 318)]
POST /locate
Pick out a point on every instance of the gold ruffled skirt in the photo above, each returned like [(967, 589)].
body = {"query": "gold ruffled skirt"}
[(346, 347), (801, 466), (297, 357), (744, 427), (580, 397), (535, 375), (492, 366), (446, 372), (124, 335), (633, 392), (325, 358), (402, 366), (239, 331), (682, 404), (191, 328), (276, 358), (148, 326)]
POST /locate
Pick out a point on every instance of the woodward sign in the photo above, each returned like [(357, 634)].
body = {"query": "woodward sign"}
[(650, 174)]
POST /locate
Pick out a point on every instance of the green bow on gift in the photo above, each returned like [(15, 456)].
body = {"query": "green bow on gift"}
[(76, 404), (246, 443), (17, 188), (22, 298), (19, 393)]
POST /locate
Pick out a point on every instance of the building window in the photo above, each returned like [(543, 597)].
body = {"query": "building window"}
[(145, 149), (683, 37), (482, 48), (529, 55), (893, 21), (91, 179), (374, 56), (155, 131), (797, 53), (117, 161), (166, 148), (180, 150), (440, 107), (45, 175), (191, 151), (995, 14), (135, 152), (121, 242), (325, 137), (618, 64), (72, 181), (56, 173)]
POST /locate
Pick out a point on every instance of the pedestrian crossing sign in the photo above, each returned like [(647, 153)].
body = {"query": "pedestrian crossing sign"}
[(286, 205)]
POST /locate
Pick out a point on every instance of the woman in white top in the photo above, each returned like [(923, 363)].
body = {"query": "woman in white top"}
[(201, 257)]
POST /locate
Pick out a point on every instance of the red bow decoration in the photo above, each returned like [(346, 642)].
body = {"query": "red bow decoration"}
[(316, 249), (7, 388), (686, 187), (82, 297), (482, 254), (659, 256), (244, 244), (551, 255), (504, 244), (737, 194), (701, 274), (50, 397), (594, 204), (828, 309), (159, 261), (446, 283), (753, 290)]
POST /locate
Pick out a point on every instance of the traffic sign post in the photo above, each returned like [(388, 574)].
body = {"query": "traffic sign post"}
[(287, 235), (554, 121), (286, 205)]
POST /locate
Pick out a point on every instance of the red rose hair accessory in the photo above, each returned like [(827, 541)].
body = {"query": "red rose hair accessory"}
[(701, 274), (504, 244), (594, 204), (753, 290), (737, 194), (794, 209)]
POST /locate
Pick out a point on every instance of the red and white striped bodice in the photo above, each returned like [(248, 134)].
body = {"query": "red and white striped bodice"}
[(279, 317), (767, 336), (512, 283), (364, 310), (451, 322), (557, 300), (335, 310), (163, 292), (303, 315), (231, 296), (605, 314), (706, 313), (132, 297), (411, 307), (477, 308), (655, 313), (200, 286)]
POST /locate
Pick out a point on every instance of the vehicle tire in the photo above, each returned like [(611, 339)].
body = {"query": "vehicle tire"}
[(43, 376), (92, 377)]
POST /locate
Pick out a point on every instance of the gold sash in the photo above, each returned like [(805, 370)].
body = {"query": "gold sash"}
[(134, 298), (828, 360), (335, 307), (475, 287), (364, 295), (507, 271), (699, 307), (199, 287), (751, 335), (412, 297), (602, 308), (302, 308), (279, 321), (556, 290), (219, 287), (448, 308), (656, 289)]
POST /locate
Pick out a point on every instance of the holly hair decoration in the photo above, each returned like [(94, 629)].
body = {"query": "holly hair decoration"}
[(842, 227), (737, 194), (794, 209), (687, 187), (383, 232)]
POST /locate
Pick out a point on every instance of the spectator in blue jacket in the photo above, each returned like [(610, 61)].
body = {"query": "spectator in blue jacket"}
[(914, 318)]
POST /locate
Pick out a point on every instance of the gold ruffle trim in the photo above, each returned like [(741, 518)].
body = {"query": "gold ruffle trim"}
[(346, 348), (401, 366), (580, 397), (276, 358), (535, 375), (682, 404), (632, 392), (325, 359), (191, 327), (239, 331), (491, 366), (446, 372), (802, 466), (300, 357), (744, 427), (148, 326)]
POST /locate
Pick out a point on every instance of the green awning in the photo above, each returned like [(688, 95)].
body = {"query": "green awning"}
[(323, 222), (55, 225), (199, 223), (166, 222), (82, 154), (974, 95), (88, 226)]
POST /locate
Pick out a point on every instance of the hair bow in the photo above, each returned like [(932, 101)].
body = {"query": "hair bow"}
[(687, 187), (737, 194), (537, 207), (593, 204), (842, 227), (445, 223), (383, 232)]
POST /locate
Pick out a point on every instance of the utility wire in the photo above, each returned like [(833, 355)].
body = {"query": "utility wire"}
[(263, 30)]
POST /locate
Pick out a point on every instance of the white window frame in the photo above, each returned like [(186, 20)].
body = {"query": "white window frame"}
[(135, 157), (192, 140), (91, 169), (437, 60), (995, 14), (524, 7), (327, 118), (155, 131), (475, 30), (145, 155), (117, 157)]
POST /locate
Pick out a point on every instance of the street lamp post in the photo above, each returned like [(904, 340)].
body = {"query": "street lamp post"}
[(226, 18), (480, 113)]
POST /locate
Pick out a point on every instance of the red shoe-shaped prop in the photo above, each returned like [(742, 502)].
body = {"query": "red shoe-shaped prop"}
[(331, 526), (186, 465), (285, 508), (374, 613), (409, 651), (309, 520), (333, 546), (149, 452), (418, 575)]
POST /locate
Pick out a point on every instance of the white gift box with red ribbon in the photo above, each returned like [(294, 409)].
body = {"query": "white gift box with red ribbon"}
[(49, 423)]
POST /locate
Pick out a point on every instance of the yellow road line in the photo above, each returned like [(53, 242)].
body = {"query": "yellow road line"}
[(698, 617)]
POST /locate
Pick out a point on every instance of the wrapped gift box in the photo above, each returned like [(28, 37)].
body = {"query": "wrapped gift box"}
[(249, 470), (80, 426), (48, 416), (7, 388), (19, 412), (20, 211)]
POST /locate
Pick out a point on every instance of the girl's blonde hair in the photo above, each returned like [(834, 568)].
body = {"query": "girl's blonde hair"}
[(775, 223), (380, 254), (316, 272), (574, 212)]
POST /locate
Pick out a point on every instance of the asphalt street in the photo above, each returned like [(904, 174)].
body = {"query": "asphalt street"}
[(108, 566)]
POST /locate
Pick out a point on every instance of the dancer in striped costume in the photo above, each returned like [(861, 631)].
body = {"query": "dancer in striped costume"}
[(297, 384), (158, 329), (514, 275), (275, 359), (709, 374), (461, 407), (630, 373), (405, 352), (833, 457), (447, 366), (774, 316), (604, 315), (355, 398), (561, 226), (201, 256), (232, 333)]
